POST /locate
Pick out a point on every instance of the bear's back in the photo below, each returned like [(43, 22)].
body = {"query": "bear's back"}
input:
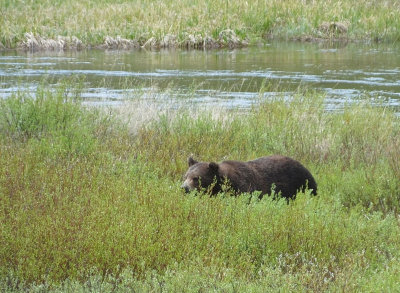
[(286, 174)]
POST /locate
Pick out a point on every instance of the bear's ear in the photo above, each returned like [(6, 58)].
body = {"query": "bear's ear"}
[(191, 161), (213, 167)]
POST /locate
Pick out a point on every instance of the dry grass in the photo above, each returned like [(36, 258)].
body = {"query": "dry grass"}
[(138, 114), (35, 43)]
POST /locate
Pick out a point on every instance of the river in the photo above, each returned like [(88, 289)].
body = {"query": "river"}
[(227, 78)]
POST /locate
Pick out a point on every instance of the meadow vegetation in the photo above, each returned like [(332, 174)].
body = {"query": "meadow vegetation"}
[(91, 200), (54, 24)]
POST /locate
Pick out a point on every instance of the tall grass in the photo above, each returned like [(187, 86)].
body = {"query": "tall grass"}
[(189, 23), (86, 203)]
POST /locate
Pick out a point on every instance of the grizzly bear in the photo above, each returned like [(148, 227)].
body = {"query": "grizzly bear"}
[(283, 174)]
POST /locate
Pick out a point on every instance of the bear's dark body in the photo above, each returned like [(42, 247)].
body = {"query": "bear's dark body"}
[(286, 174)]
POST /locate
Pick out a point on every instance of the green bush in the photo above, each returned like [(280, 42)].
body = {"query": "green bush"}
[(53, 119)]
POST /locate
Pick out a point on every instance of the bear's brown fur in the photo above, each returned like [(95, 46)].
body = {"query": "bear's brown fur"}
[(286, 174)]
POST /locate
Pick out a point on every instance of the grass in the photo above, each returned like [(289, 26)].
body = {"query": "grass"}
[(56, 24), (91, 202)]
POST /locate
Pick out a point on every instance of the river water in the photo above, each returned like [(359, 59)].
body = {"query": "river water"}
[(227, 78)]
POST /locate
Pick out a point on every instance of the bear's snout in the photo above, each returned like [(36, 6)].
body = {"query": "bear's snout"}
[(185, 187)]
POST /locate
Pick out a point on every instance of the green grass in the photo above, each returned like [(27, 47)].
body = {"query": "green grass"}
[(89, 202), (193, 23)]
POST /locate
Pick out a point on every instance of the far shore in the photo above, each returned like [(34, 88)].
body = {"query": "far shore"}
[(125, 25)]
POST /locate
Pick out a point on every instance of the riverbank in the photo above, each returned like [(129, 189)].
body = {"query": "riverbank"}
[(55, 25), (90, 200)]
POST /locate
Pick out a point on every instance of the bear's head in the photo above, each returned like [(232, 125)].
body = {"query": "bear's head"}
[(201, 175)]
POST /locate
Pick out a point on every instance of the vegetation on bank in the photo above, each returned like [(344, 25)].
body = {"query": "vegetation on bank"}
[(120, 24), (91, 200)]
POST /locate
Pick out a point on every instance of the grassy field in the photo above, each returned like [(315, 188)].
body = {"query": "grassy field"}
[(90, 200), (54, 24)]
